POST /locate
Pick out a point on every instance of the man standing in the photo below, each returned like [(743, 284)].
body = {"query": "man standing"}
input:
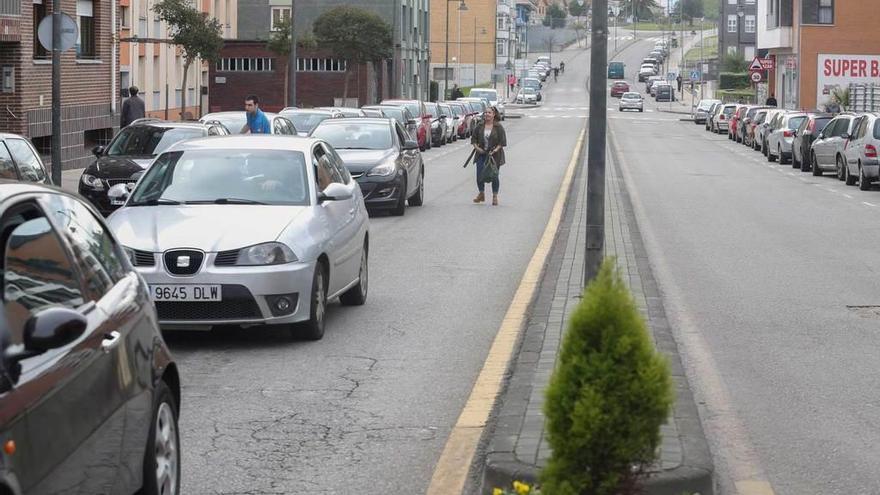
[(562, 67), (771, 101), (132, 108), (456, 92), (678, 80), (257, 123)]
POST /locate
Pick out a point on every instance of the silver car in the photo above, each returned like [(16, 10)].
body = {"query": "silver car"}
[(631, 101), (781, 135), (234, 122), (827, 150), (247, 230), (701, 113), (862, 165), (306, 120)]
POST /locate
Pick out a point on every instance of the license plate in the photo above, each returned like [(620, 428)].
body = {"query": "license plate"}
[(186, 293), (117, 202)]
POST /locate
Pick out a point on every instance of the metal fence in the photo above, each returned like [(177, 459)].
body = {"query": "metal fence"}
[(10, 7)]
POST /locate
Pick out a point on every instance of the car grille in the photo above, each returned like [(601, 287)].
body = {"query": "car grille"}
[(144, 258), (226, 258), (237, 304), (113, 182), (183, 261)]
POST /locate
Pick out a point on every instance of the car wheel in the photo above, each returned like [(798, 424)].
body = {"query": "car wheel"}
[(162, 457), (313, 329), (841, 174), (849, 178), (781, 155), (357, 295), (770, 157), (815, 165), (400, 208), (418, 198), (864, 183)]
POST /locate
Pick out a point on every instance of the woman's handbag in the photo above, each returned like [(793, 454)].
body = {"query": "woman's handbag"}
[(490, 170)]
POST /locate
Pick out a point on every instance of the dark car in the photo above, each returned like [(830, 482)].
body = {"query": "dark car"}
[(89, 393), (398, 112), (665, 93), (423, 120), (804, 137), (383, 159), (438, 124), (124, 160), (615, 70), (20, 161)]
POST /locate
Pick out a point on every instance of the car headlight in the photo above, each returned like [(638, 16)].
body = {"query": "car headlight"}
[(383, 170), (435, 124), (269, 253), (92, 181)]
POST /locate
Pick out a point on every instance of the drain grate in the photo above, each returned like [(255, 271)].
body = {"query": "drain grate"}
[(872, 312)]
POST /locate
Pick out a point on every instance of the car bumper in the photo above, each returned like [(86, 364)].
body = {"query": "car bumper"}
[(247, 293), (630, 106), (380, 193), (721, 125)]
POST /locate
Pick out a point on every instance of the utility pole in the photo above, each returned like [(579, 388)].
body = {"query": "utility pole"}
[(56, 93), (291, 63), (595, 234)]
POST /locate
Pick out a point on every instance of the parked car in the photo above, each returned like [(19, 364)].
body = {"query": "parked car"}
[(478, 106), (744, 124), (533, 83), (527, 95), (20, 161), (665, 92), (711, 115), (124, 160), (762, 130), (631, 101), (423, 120), (860, 156), (385, 162), (646, 71), (781, 136), (304, 120), (751, 126), (248, 231), (234, 122), (618, 88), (374, 112), (451, 121), (399, 113), (616, 70), (804, 137), (827, 150), (735, 121), (722, 120), (345, 111), (701, 113), (651, 81), (462, 118), (492, 96), (89, 391), (438, 125)]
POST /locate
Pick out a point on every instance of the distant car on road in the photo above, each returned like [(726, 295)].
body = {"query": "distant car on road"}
[(862, 165), (803, 140), (527, 95), (631, 101), (618, 88), (646, 71), (616, 70), (722, 120), (665, 93), (492, 96), (423, 120), (20, 161), (399, 113), (701, 113), (304, 120)]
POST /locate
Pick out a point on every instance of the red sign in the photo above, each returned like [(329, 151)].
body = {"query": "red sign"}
[(761, 64), (768, 63)]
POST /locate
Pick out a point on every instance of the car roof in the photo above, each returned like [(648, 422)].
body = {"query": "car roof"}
[(309, 110), (170, 125), (247, 142), (357, 120), (9, 135)]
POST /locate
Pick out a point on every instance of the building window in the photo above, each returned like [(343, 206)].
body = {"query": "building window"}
[(750, 23), (157, 100), (731, 50), (85, 20), (320, 65), (500, 47), (818, 11), (39, 15), (502, 23), (124, 16), (439, 71), (731, 23), (279, 14), (263, 64)]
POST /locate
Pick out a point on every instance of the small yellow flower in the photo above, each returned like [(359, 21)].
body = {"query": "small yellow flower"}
[(497, 491), (521, 488)]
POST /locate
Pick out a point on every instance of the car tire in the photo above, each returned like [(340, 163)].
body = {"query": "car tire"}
[(313, 328), (641, 110), (418, 199), (864, 183), (795, 163), (814, 165), (163, 442), (400, 209), (849, 178), (781, 155), (357, 295), (841, 173), (770, 157)]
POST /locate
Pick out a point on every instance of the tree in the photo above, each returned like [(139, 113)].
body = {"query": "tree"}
[(578, 8), (692, 9), (279, 44), (355, 35), (643, 8), (733, 62), (197, 35), (555, 17), (579, 30), (608, 396)]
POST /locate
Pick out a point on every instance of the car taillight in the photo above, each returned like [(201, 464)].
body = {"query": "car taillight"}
[(721, 117), (870, 151), (787, 133)]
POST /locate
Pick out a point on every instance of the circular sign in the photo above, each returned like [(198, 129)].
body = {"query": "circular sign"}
[(69, 32), (757, 77)]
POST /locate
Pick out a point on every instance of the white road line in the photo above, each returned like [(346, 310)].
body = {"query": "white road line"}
[(868, 204), (847, 196)]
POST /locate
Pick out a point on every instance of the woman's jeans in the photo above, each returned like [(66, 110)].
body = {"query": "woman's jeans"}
[(481, 186)]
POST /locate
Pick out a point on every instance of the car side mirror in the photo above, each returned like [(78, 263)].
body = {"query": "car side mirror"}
[(410, 145), (118, 193), (98, 151), (334, 192), (53, 328)]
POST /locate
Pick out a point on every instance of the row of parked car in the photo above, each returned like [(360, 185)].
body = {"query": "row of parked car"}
[(812, 141), (204, 227)]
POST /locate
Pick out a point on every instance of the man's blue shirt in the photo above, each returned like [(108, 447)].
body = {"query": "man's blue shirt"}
[(257, 122)]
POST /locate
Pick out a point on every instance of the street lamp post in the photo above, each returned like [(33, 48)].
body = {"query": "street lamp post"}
[(461, 7), (291, 62), (483, 31)]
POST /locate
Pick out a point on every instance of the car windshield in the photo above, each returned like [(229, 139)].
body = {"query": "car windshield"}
[(355, 136), (306, 121), (147, 140), (394, 113), (234, 121), (456, 110), (432, 109), (250, 177), (632, 96), (529, 91), (795, 122), (729, 110), (482, 93)]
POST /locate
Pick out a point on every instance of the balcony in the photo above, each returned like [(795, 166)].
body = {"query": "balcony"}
[(774, 30), (10, 21)]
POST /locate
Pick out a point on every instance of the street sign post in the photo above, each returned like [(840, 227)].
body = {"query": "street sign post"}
[(695, 74), (57, 33), (69, 32), (757, 77), (670, 76)]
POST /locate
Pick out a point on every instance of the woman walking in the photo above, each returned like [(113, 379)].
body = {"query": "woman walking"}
[(489, 140)]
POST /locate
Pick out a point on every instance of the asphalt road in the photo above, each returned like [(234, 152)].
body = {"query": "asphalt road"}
[(758, 264), (368, 408)]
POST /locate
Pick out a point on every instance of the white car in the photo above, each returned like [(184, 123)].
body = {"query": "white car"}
[(646, 71), (631, 101), (491, 95), (781, 136), (527, 95), (247, 230)]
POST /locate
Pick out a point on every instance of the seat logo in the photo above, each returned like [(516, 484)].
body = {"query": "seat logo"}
[(183, 262)]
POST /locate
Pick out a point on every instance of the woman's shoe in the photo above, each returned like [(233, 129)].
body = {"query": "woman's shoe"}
[(480, 198), (494, 200)]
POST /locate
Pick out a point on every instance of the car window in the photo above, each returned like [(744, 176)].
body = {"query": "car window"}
[(146, 140), (340, 171), (233, 121), (842, 127), (795, 122), (863, 127), (821, 122), (401, 134), (324, 172), (96, 254), (831, 129), (355, 135), (7, 168), (37, 269), (29, 165)]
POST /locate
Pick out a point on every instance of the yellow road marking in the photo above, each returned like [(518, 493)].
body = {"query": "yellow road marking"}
[(450, 473)]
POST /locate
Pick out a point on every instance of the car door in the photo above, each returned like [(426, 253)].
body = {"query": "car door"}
[(841, 136), (30, 167), (124, 316), (72, 396), (823, 144), (336, 214), (349, 263)]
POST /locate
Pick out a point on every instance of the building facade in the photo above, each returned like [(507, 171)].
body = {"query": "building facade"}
[(819, 46), (155, 66), (472, 41), (738, 27), (89, 86)]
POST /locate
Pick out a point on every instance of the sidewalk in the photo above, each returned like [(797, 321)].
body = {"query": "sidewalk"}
[(683, 106), (516, 447)]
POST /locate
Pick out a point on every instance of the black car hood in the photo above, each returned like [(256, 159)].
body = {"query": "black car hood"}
[(118, 167), (359, 161)]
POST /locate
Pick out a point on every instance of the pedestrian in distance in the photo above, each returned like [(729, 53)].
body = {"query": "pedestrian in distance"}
[(132, 108), (489, 140), (511, 81), (257, 122), (771, 101), (555, 73), (679, 81), (834, 106), (456, 92), (562, 67)]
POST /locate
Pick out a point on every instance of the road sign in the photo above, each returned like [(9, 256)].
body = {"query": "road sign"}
[(756, 65), (757, 77), (768, 63), (695, 74), (670, 76), (69, 32)]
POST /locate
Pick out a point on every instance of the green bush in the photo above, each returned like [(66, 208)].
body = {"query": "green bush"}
[(608, 396), (434, 91), (730, 80)]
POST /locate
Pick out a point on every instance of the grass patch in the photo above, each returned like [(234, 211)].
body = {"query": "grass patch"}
[(735, 94), (710, 50)]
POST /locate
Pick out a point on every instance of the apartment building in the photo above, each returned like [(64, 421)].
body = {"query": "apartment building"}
[(89, 88), (818, 45), (155, 66), (738, 28), (472, 39)]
